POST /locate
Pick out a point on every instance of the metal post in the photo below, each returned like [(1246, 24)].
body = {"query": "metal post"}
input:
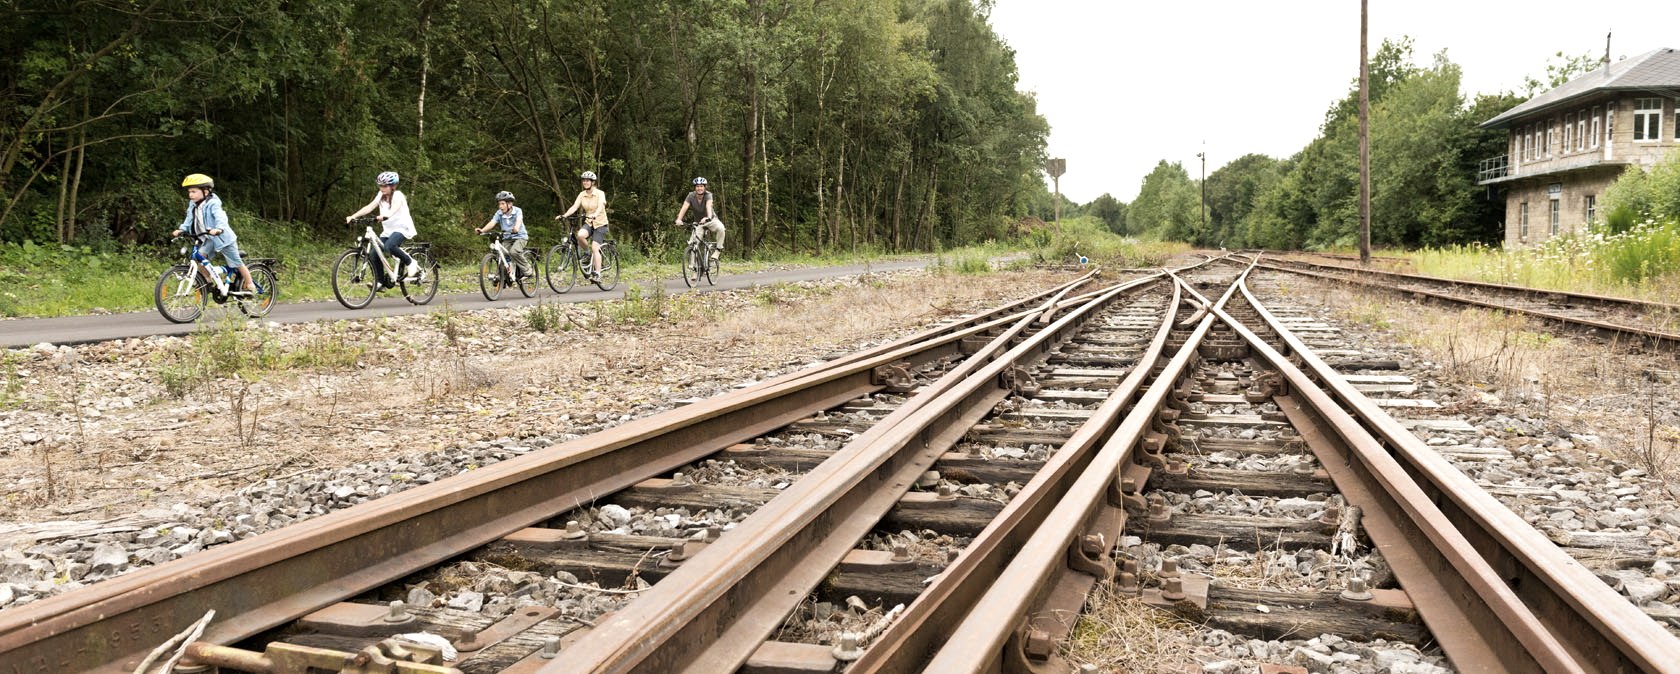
[(1203, 206), (1364, 141), (1056, 167)]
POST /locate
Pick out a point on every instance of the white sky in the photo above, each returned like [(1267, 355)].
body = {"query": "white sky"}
[(1126, 83)]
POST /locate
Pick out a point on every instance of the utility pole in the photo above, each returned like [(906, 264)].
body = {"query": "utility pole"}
[(1364, 140), (1056, 167), (1203, 206)]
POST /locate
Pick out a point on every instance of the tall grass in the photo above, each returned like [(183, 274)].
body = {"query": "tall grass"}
[(1643, 261)]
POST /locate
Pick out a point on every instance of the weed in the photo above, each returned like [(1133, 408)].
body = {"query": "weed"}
[(447, 320), (644, 302), (771, 296), (546, 318)]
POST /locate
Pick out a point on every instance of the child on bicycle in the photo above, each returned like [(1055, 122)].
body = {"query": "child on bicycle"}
[(702, 202), (593, 202), (207, 218), (396, 224), (512, 220)]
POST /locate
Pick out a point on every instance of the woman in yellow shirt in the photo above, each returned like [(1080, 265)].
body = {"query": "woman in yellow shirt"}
[(593, 203)]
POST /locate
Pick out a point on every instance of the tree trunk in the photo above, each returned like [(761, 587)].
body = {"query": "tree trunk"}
[(749, 154), (764, 155), (59, 229), (76, 180)]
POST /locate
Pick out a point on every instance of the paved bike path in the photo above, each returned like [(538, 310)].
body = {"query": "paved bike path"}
[(87, 329)]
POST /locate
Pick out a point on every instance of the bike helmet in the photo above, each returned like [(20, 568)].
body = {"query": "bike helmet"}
[(699, 181), (198, 180), (587, 175), (388, 178), (504, 195)]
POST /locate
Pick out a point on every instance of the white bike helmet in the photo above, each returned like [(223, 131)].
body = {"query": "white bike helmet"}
[(588, 175)]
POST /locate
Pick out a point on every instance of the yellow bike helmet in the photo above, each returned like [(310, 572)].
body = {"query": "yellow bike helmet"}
[(198, 180)]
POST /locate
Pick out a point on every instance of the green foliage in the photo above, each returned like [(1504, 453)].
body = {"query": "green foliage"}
[(1167, 206), (1111, 211), (1640, 195)]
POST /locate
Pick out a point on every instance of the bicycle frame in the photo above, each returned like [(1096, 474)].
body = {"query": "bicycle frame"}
[(373, 248), (198, 268), (502, 262)]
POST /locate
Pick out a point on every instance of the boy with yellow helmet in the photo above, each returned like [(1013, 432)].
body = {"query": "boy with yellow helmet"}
[(208, 221)]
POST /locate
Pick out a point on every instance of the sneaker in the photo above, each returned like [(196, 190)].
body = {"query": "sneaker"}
[(411, 270), (715, 253), (242, 293)]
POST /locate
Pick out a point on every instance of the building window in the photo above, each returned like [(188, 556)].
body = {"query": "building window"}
[(1555, 205), (1581, 131), (1592, 209), (1551, 137), (1596, 127), (1528, 141), (1568, 133), (1522, 221), (1647, 119)]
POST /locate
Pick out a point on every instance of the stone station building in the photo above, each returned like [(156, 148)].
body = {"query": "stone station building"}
[(1568, 144)]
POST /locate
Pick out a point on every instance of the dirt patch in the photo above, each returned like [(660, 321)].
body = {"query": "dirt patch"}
[(106, 429)]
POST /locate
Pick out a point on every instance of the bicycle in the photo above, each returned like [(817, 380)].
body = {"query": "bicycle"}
[(359, 272), (699, 259), (570, 262), (496, 271), (183, 290)]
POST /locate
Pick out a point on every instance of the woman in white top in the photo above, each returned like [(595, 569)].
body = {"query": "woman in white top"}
[(593, 202), (397, 224)]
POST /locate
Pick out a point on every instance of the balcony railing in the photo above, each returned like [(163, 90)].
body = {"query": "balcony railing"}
[(1491, 169)]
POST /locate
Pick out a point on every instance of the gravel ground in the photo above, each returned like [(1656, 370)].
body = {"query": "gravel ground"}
[(113, 463), (1551, 431)]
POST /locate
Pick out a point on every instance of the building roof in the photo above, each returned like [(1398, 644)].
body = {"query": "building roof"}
[(1658, 69)]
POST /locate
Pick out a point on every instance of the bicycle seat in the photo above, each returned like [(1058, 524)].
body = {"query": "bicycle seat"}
[(269, 261), (417, 245)]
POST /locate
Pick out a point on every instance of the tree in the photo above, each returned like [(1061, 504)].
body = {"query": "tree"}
[(1109, 210), (1166, 205)]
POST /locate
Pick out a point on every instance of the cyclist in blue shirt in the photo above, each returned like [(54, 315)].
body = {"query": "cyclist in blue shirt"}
[(512, 220), (206, 217)]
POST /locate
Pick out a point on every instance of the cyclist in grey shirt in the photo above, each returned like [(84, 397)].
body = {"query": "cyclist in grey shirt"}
[(703, 204), (512, 220)]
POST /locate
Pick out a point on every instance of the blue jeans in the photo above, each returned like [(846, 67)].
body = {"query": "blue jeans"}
[(393, 247)]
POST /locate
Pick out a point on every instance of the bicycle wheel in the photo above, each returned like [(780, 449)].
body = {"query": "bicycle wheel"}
[(607, 277), (268, 292), (352, 281), (691, 265), (423, 289), (712, 266), (179, 296), (490, 278), (528, 281), (560, 263)]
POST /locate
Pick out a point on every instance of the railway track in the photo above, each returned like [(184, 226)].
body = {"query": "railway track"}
[(943, 503), (1648, 322), (270, 580)]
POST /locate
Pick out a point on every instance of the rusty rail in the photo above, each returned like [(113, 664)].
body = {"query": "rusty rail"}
[(265, 581), (714, 611), (993, 635), (929, 618), (1597, 629), (1667, 338)]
